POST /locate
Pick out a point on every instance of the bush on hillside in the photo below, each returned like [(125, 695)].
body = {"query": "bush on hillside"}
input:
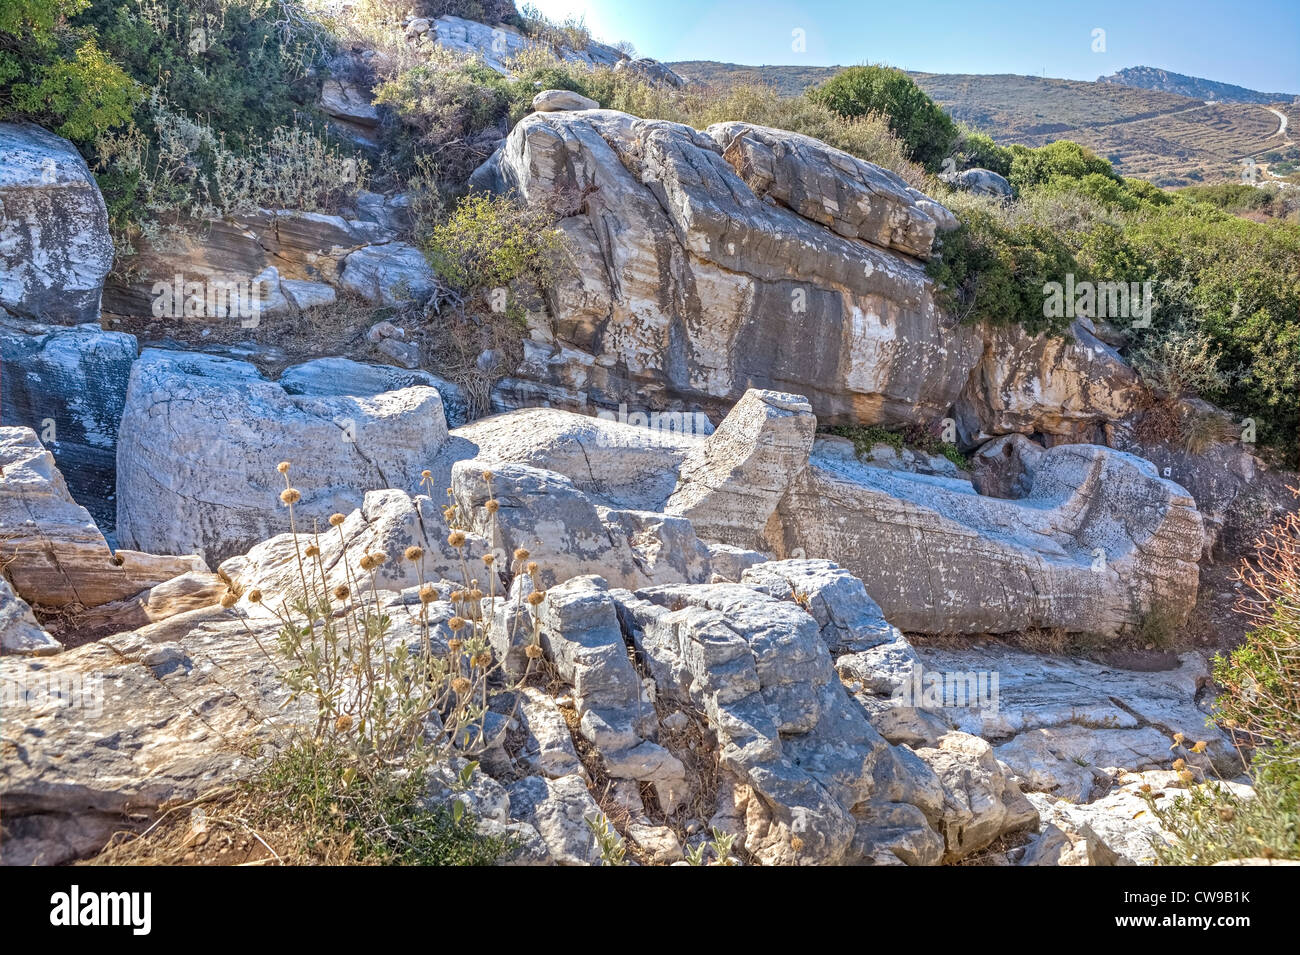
[(916, 119), (58, 76)]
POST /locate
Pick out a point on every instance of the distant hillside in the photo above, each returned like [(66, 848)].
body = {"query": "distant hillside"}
[(1164, 137), (1150, 78)]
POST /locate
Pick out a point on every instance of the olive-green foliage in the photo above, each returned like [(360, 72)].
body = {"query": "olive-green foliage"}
[(978, 150), (1212, 824), (56, 75), (223, 62), (916, 119), (993, 269), (491, 242), (1061, 159), (314, 789)]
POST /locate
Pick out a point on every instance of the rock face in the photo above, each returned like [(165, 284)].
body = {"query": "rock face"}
[(685, 287), (51, 550), (982, 182), (557, 101), (1066, 388), (201, 437), (1099, 542), (652, 71), (852, 197), (495, 45), (69, 386), (698, 265), (55, 250)]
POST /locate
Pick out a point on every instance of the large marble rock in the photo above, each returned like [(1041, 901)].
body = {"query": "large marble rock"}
[(1099, 542), (684, 286), (497, 45), (982, 182), (50, 548), (850, 196), (342, 376), (55, 249), (730, 484), (69, 386), (201, 438), (650, 70), (1067, 387)]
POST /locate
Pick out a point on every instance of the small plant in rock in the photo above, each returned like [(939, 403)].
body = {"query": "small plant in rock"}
[(613, 850), (389, 701), (718, 849)]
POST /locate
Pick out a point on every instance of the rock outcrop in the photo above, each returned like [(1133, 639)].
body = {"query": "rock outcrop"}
[(201, 438), (55, 250), (69, 386), (50, 549)]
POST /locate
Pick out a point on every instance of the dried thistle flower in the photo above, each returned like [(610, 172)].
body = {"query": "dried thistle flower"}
[(453, 644), (290, 495), (413, 554), (489, 559), (456, 539), (492, 505), (487, 475), (428, 593), (462, 686), (312, 550), (283, 467), (255, 596), (456, 623), (426, 474), (343, 723), (342, 592), (532, 651), (536, 597), (1180, 765), (229, 599), (336, 520), (521, 553), (476, 594), (532, 568)]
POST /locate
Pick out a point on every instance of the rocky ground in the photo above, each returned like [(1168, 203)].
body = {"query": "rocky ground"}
[(834, 654)]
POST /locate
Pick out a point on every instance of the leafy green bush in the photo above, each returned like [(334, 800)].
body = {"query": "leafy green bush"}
[(916, 119), (57, 76), (1062, 159), (978, 150), (993, 268)]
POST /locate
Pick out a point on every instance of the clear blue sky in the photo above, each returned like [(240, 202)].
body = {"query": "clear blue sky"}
[(1253, 43)]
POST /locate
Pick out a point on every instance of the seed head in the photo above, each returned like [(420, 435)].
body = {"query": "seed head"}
[(428, 593), (312, 550), (117, 560), (426, 474), (521, 553), (229, 599), (456, 539), (536, 597), (492, 505), (532, 651), (489, 559), (413, 554), (532, 568), (1180, 765), (343, 723), (454, 645), (283, 467), (342, 592), (462, 686), (487, 475), (255, 596), (336, 520), (290, 495), (476, 594), (456, 623)]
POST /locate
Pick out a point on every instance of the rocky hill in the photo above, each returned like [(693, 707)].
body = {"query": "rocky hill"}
[(1164, 133), (622, 490), (1150, 78)]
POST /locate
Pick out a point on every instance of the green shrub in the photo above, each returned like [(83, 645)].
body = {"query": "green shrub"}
[(916, 119), (1061, 159), (993, 268), (978, 150), (57, 76)]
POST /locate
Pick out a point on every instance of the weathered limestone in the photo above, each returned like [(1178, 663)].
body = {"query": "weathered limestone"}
[(50, 548), (69, 386), (854, 198), (55, 249), (19, 631), (201, 438), (730, 484)]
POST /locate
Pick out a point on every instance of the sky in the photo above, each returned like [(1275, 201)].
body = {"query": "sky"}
[(1253, 43)]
